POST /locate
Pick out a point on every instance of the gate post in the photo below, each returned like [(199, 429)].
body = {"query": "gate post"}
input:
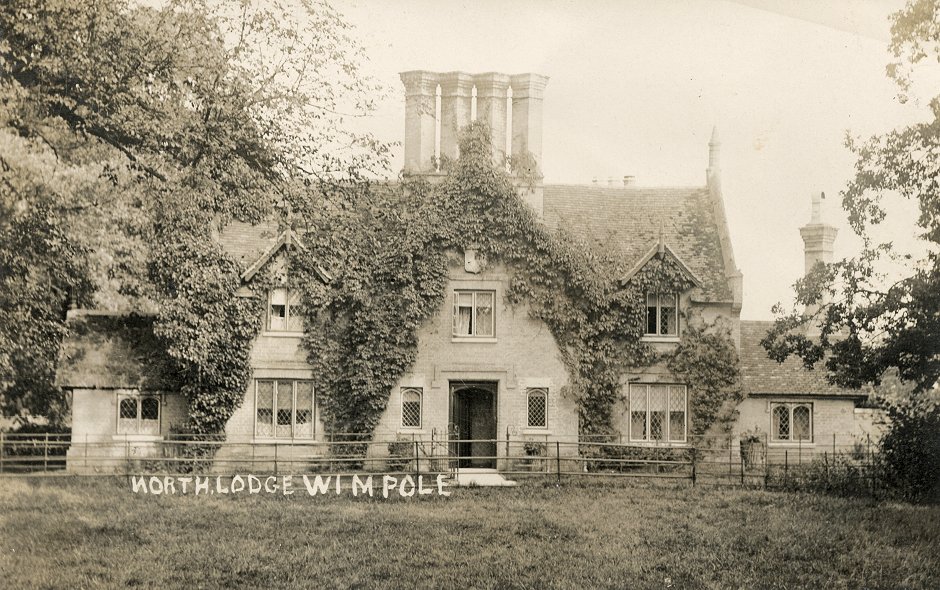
[(417, 468), (558, 461)]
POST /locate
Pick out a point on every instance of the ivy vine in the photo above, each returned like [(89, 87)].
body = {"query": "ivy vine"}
[(388, 253)]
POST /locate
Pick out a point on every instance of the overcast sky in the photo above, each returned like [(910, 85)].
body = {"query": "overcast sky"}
[(635, 88)]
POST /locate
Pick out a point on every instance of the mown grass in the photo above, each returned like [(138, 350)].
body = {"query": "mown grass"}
[(91, 533)]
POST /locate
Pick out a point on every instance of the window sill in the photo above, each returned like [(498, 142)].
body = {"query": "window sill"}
[(668, 339), (657, 444), (137, 437), (791, 443), (536, 431), (279, 334), (412, 431), (477, 339)]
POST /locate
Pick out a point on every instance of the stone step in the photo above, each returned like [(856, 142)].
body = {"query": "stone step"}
[(481, 478)]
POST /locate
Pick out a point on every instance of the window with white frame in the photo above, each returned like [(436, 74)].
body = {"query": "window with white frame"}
[(284, 408), (658, 412), (411, 407), (537, 407), (473, 314), (662, 314), (791, 422), (284, 311), (138, 414)]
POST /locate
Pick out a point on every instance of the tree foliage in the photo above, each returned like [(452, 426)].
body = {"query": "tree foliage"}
[(866, 326), (135, 131)]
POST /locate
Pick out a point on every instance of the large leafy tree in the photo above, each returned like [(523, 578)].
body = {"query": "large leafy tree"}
[(867, 324), (129, 133)]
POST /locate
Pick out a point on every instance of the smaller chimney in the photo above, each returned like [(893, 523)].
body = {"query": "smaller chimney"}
[(629, 181), (610, 181), (818, 238)]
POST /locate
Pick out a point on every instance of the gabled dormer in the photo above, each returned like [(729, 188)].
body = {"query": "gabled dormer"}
[(664, 308), (282, 315)]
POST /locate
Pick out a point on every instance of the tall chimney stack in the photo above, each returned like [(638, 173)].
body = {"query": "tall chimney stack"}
[(420, 120), (456, 100), (527, 93), (491, 109), (818, 238)]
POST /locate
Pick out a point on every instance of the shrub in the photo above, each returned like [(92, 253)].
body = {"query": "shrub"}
[(910, 450)]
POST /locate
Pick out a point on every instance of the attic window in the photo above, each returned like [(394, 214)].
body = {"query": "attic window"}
[(662, 314), (284, 311)]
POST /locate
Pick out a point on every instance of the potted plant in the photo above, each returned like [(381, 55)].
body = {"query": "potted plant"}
[(534, 452), (752, 448)]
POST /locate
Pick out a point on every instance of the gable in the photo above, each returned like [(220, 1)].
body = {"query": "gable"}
[(664, 253), (253, 246)]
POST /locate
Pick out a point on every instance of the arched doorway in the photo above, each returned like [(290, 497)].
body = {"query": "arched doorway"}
[(473, 415)]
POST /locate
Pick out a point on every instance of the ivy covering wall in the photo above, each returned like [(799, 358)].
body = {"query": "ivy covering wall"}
[(388, 253)]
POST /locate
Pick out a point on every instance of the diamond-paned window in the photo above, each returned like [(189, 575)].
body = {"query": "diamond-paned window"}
[(537, 403), (658, 412), (264, 409), (657, 408), (411, 407), (791, 422), (138, 414), (677, 405), (284, 408)]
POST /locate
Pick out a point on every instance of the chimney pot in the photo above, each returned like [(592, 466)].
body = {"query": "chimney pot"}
[(629, 181)]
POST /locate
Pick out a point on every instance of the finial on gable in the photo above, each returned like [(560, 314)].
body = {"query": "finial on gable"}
[(714, 149), (662, 238)]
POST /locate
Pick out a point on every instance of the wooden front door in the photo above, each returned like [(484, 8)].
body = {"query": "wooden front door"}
[(473, 414)]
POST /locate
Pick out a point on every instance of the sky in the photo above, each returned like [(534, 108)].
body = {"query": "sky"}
[(636, 88)]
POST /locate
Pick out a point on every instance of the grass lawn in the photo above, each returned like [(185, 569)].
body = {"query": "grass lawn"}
[(87, 533)]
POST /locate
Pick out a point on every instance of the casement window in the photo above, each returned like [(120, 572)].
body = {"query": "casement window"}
[(284, 408), (658, 412), (284, 311), (537, 407), (411, 407), (473, 314), (138, 414), (791, 422), (662, 314)]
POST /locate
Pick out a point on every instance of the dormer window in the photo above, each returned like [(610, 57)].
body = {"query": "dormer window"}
[(284, 311), (662, 314)]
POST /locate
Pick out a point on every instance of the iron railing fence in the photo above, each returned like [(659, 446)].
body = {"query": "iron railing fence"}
[(844, 464)]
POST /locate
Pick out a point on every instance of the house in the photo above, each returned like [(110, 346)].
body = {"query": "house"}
[(484, 370)]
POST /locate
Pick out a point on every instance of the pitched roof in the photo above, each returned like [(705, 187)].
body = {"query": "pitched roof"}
[(761, 375), (246, 242), (112, 350), (630, 219)]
